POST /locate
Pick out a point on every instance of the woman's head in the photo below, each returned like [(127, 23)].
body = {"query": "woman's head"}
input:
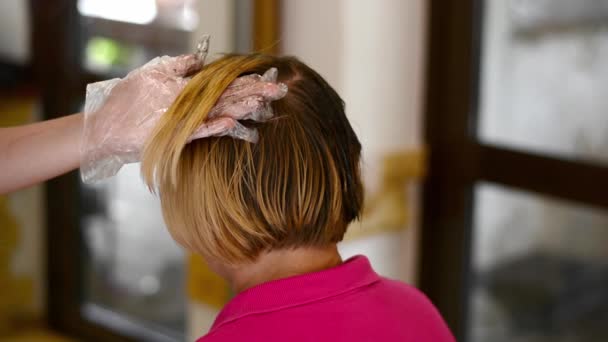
[(298, 186)]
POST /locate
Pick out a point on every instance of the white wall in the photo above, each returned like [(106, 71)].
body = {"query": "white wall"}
[(216, 18), (313, 31), (14, 31), (372, 53), (27, 206)]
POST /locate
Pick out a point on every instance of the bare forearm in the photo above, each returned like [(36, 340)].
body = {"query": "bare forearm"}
[(37, 152)]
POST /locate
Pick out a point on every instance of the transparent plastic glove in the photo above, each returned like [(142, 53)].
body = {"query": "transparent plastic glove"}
[(247, 98), (120, 114), (247, 92)]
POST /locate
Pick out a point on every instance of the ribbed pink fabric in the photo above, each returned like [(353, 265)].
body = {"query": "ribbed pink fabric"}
[(349, 302)]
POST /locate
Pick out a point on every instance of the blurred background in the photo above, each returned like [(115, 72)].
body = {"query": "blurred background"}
[(485, 133)]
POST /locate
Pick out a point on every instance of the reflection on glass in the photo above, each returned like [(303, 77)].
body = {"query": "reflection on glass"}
[(134, 275), (121, 35), (171, 13), (544, 77), (104, 54), (132, 11), (539, 269)]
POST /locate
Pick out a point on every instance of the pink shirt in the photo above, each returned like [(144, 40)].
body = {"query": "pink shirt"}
[(349, 302)]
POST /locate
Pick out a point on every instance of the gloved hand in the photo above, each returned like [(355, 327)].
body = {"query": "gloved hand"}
[(120, 114), (247, 98)]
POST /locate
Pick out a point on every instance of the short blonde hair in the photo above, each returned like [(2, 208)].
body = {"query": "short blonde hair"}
[(299, 185)]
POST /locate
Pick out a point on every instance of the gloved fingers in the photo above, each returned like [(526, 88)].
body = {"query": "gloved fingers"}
[(237, 108), (202, 48), (254, 108), (224, 126), (244, 81), (265, 86), (186, 65), (178, 66), (270, 75), (244, 133), (183, 65), (213, 127), (260, 114), (243, 106), (270, 91)]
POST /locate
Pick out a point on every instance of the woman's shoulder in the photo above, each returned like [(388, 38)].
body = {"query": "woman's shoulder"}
[(413, 308), (402, 288), (403, 293)]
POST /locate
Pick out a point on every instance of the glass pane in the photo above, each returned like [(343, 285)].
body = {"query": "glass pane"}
[(121, 35), (134, 274), (544, 77), (539, 269)]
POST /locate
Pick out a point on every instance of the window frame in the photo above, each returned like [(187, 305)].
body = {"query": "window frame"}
[(458, 160), (57, 47)]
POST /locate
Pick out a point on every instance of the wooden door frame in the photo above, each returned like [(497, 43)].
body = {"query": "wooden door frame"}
[(458, 160)]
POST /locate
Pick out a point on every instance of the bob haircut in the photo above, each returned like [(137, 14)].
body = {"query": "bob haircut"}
[(228, 199)]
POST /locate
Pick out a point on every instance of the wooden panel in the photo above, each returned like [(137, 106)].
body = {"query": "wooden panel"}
[(204, 285), (570, 180), (266, 26), (389, 208), (457, 161), (447, 197)]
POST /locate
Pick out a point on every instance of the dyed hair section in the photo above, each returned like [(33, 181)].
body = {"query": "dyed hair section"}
[(299, 185)]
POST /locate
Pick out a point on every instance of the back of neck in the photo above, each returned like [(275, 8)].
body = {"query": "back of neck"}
[(283, 263)]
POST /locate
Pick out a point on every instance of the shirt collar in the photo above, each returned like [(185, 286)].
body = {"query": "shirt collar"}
[(279, 294)]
